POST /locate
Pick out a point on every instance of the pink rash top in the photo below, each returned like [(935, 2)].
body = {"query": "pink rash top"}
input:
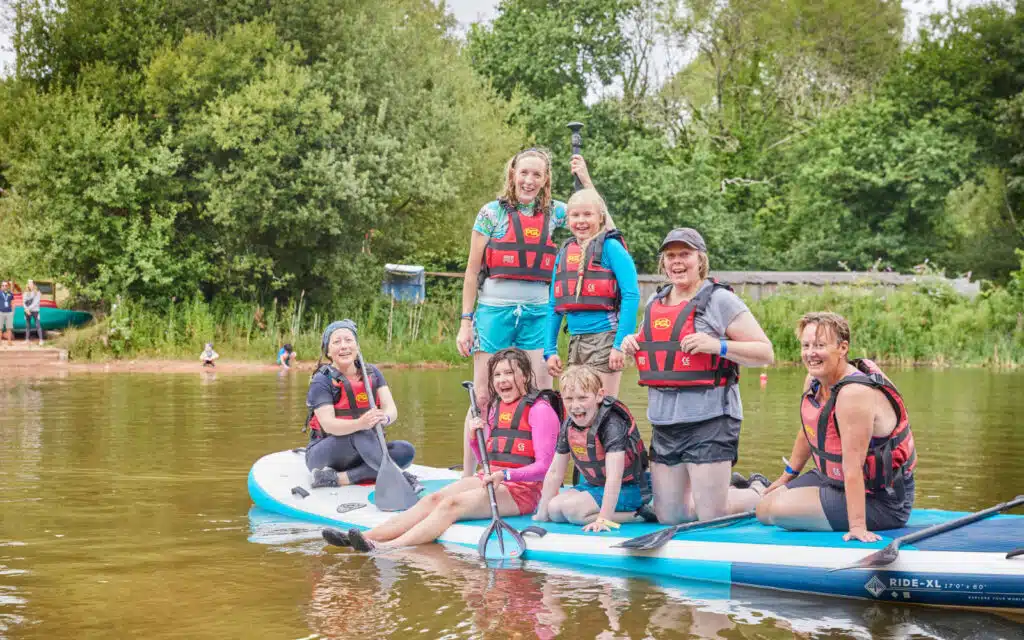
[(544, 426)]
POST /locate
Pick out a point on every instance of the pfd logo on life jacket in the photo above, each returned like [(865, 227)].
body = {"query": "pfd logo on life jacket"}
[(573, 259), (362, 397), (662, 323), (684, 361), (505, 417), (580, 451), (530, 232), (591, 288), (520, 447), (508, 259), (641, 361)]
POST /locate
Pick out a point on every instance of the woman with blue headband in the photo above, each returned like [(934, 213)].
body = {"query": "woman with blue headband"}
[(343, 448)]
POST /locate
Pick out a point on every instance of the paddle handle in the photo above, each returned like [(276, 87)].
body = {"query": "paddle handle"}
[(577, 142), (910, 538)]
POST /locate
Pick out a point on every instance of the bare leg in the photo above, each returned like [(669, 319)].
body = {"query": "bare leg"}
[(467, 505), (401, 523), (741, 500), (673, 502), (710, 483), (574, 506), (611, 382), (797, 509), (540, 369)]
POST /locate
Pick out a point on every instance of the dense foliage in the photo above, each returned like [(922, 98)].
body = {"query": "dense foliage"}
[(249, 150)]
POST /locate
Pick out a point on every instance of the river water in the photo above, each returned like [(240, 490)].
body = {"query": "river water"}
[(124, 513)]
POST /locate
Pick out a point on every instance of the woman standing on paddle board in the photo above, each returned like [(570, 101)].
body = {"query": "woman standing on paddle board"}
[(343, 449), (509, 270), (521, 429), (856, 428), (694, 335)]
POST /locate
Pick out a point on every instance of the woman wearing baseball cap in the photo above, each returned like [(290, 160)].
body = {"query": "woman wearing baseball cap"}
[(694, 336)]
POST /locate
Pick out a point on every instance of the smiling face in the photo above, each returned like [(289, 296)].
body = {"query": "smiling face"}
[(531, 176), (822, 353), (508, 381), (342, 348), (585, 220), (582, 405), (681, 263)]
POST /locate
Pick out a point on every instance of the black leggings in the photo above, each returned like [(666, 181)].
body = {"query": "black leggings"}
[(357, 454)]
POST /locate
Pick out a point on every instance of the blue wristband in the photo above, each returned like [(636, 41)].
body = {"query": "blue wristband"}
[(791, 471), (725, 348)]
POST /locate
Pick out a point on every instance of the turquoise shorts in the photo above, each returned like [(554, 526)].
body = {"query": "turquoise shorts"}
[(630, 498), (498, 328)]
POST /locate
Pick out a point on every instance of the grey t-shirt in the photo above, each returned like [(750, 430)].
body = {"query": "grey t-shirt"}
[(672, 406), (30, 301)]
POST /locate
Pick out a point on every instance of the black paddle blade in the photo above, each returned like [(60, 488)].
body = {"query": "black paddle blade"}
[(335, 537), (393, 492), (878, 559), (1015, 553), (501, 542), (658, 538)]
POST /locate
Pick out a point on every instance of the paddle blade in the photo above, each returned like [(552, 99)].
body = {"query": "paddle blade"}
[(501, 542), (876, 560), (648, 541), (393, 492)]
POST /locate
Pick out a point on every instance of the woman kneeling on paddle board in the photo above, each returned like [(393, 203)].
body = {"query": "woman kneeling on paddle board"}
[(602, 438), (521, 430), (856, 428), (694, 335), (343, 449)]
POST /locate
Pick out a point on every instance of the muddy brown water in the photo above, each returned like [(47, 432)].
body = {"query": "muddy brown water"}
[(124, 513)]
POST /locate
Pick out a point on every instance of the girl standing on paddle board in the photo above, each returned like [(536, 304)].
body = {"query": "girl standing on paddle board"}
[(521, 430), (857, 431), (509, 270), (694, 335), (595, 288), (343, 449)]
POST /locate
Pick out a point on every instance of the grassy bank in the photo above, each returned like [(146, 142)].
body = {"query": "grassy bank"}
[(910, 325)]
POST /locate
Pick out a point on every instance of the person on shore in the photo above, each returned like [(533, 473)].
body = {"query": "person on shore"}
[(343, 448), (856, 428), (208, 356), (601, 437), (694, 336), (30, 305), (6, 313), (521, 429), (595, 288), (286, 356), (511, 257)]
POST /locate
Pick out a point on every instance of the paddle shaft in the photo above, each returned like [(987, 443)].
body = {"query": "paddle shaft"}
[(935, 530), (481, 443), (385, 456)]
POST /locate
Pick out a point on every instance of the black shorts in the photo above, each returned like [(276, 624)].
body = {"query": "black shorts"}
[(714, 440), (881, 510)]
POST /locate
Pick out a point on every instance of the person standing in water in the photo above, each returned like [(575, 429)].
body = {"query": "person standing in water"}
[(694, 336)]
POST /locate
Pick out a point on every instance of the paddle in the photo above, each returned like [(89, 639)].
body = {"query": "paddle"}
[(393, 492), (658, 538), (888, 555), (487, 550), (577, 142)]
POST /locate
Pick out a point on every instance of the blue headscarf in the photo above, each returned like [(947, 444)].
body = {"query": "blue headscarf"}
[(334, 326)]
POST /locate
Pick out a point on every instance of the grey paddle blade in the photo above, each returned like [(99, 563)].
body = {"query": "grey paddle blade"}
[(878, 559), (658, 538), (501, 542), (393, 492)]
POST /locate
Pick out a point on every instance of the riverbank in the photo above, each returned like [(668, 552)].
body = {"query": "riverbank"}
[(919, 325), (31, 368)]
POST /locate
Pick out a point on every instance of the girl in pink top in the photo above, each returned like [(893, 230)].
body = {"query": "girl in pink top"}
[(519, 457)]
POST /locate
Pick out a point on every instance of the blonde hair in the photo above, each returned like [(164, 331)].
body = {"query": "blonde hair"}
[(590, 196), (833, 323), (508, 192), (703, 265), (581, 378)]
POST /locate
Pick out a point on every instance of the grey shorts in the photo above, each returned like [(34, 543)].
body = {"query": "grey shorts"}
[(592, 349), (7, 321), (882, 511), (714, 440)]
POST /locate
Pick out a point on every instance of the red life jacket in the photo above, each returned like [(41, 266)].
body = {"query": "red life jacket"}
[(350, 401), (599, 290), (660, 360), (525, 252), (510, 442), (588, 452), (887, 462)]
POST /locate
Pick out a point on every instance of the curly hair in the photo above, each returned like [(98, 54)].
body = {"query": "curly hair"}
[(517, 359), (508, 192)]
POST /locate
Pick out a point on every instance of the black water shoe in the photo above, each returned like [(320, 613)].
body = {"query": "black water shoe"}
[(738, 481), (325, 477), (359, 542), (336, 537)]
